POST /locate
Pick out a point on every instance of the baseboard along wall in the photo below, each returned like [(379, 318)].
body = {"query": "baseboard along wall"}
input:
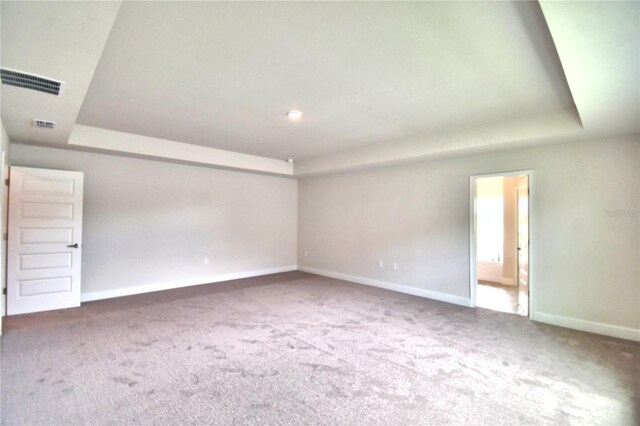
[(561, 321), (589, 326), (429, 294), (169, 285)]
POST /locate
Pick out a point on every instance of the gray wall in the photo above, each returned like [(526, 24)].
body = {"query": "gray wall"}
[(148, 222), (585, 262)]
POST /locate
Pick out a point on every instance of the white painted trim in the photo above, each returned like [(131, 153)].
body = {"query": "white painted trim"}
[(473, 260), (473, 273), (168, 285), (532, 237), (590, 326), (429, 294)]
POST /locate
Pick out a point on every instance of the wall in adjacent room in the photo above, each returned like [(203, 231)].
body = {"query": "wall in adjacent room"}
[(584, 241), (510, 262), (148, 225), (490, 244)]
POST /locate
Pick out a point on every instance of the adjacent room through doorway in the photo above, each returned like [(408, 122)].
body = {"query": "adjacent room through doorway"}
[(501, 235)]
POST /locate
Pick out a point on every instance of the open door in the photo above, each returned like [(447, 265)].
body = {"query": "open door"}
[(45, 240), (523, 245)]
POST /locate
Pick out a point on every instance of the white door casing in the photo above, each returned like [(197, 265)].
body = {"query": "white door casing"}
[(44, 240), (523, 244), (473, 275)]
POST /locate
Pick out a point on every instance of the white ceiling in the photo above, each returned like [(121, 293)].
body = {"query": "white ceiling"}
[(599, 43), (58, 40), (374, 80), (224, 74)]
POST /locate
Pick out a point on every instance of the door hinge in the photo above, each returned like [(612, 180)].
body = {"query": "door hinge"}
[(6, 182), (5, 236), (4, 290)]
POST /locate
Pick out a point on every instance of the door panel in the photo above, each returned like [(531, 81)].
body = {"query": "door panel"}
[(48, 186), (47, 210), (46, 235), (45, 220), (44, 261), (45, 286)]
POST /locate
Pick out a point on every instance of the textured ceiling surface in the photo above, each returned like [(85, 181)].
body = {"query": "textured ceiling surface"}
[(224, 74)]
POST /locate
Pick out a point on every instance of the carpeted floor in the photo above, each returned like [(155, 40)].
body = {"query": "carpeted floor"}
[(299, 349)]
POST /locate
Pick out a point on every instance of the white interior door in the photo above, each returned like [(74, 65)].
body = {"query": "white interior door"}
[(44, 240)]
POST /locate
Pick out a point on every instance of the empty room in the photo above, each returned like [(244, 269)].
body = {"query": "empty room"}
[(333, 213)]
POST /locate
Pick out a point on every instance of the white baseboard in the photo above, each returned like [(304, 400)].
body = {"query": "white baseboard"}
[(508, 281), (429, 294), (590, 326), (148, 288)]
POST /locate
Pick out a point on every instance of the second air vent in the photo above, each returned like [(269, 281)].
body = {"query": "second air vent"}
[(43, 124), (30, 81)]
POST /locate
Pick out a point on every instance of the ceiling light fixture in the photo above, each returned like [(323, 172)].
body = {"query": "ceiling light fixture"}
[(289, 160), (294, 115)]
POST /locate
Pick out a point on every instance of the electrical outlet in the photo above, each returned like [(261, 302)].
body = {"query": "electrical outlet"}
[(306, 253), (395, 266), (380, 264), (206, 260)]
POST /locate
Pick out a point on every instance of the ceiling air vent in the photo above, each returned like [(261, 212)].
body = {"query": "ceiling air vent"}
[(30, 81), (43, 124)]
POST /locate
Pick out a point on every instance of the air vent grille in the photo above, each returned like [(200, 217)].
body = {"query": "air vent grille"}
[(30, 81), (43, 124)]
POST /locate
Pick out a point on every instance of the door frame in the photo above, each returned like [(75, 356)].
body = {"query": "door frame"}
[(473, 273)]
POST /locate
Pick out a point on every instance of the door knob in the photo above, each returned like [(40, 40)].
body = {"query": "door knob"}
[(73, 245)]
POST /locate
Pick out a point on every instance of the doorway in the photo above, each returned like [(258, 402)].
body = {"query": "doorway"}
[(500, 218)]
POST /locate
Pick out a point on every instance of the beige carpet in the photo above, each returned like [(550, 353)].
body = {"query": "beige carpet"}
[(498, 298), (297, 349)]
